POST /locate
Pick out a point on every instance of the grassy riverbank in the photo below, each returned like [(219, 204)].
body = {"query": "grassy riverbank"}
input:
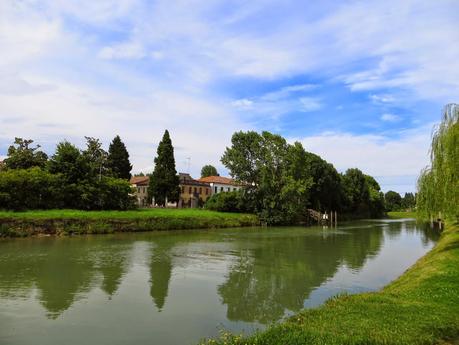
[(63, 222), (401, 215), (421, 307)]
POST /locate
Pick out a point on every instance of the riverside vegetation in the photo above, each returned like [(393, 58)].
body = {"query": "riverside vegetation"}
[(422, 306), (67, 222)]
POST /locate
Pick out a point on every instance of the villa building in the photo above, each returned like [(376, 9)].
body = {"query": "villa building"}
[(140, 183), (193, 193), (220, 184)]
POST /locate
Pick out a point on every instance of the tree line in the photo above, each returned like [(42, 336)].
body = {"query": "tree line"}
[(91, 179), (281, 181)]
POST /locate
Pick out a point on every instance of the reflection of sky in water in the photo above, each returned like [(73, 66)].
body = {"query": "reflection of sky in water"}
[(175, 288)]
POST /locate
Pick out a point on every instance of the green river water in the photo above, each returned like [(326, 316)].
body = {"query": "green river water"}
[(178, 287)]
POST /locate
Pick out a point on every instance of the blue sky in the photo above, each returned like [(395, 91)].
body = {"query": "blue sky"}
[(359, 82)]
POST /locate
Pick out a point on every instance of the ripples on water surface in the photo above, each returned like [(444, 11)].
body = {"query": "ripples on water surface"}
[(178, 287)]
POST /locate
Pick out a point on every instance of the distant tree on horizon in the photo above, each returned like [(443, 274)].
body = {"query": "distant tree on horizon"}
[(209, 170), (393, 201), (118, 159), (164, 182)]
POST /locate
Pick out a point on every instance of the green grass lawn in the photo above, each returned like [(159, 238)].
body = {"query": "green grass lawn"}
[(139, 213), (421, 307), (66, 222), (402, 214)]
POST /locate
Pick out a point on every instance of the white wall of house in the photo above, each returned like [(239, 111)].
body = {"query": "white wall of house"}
[(220, 187)]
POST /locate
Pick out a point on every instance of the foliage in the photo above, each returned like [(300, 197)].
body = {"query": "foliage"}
[(276, 184), (209, 170), (393, 201), (96, 157), (164, 182), (22, 156), (32, 188), (438, 185), (282, 180), (408, 201), (226, 202), (118, 159)]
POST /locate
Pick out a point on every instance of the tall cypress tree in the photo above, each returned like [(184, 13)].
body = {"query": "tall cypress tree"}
[(164, 182), (118, 159)]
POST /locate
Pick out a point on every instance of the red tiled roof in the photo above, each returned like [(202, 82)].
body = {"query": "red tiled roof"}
[(140, 180), (218, 179)]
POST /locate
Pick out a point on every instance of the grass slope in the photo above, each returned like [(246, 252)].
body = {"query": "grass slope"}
[(62, 222), (421, 307), (401, 215)]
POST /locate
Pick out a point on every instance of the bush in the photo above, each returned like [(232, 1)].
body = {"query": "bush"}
[(32, 188), (226, 202)]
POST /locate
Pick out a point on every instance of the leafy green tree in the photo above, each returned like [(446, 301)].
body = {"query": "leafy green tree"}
[(209, 170), (356, 192), (75, 171), (22, 156), (118, 159), (96, 156), (438, 185), (164, 182), (272, 171), (376, 201), (408, 201), (393, 201)]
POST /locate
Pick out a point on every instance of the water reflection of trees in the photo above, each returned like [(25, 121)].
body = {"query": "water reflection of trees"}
[(273, 270), (62, 270), (280, 274)]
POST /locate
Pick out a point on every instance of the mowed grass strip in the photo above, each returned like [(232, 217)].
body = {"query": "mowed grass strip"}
[(401, 215), (420, 307), (71, 222), (140, 213)]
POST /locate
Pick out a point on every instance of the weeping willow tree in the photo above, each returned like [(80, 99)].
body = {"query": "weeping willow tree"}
[(438, 185)]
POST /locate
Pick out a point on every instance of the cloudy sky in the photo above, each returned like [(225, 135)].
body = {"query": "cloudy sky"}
[(359, 82)]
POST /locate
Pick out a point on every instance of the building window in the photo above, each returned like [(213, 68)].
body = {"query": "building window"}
[(183, 189), (229, 189), (200, 190), (216, 190), (144, 188), (234, 189), (195, 190), (221, 189), (207, 191), (190, 190), (138, 189)]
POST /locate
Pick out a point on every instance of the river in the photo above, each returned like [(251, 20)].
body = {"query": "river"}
[(178, 287)]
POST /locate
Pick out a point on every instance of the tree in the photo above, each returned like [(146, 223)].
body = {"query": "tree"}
[(164, 182), (393, 201), (209, 170), (276, 185), (118, 159), (96, 156), (22, 156), (356, 192), (408, 201), (438, 185)]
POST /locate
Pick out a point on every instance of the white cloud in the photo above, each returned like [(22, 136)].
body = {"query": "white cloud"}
[(390, 117), (310, 104), (123, 51)]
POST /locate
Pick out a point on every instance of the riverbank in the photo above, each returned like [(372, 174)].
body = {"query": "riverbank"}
[(420, 307), (68, 222), (401, 215)]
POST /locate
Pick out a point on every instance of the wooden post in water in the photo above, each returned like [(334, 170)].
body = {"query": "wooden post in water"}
[(336, 218), (331, 218)]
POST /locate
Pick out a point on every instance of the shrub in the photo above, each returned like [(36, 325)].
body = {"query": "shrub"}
[(226, 202)]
